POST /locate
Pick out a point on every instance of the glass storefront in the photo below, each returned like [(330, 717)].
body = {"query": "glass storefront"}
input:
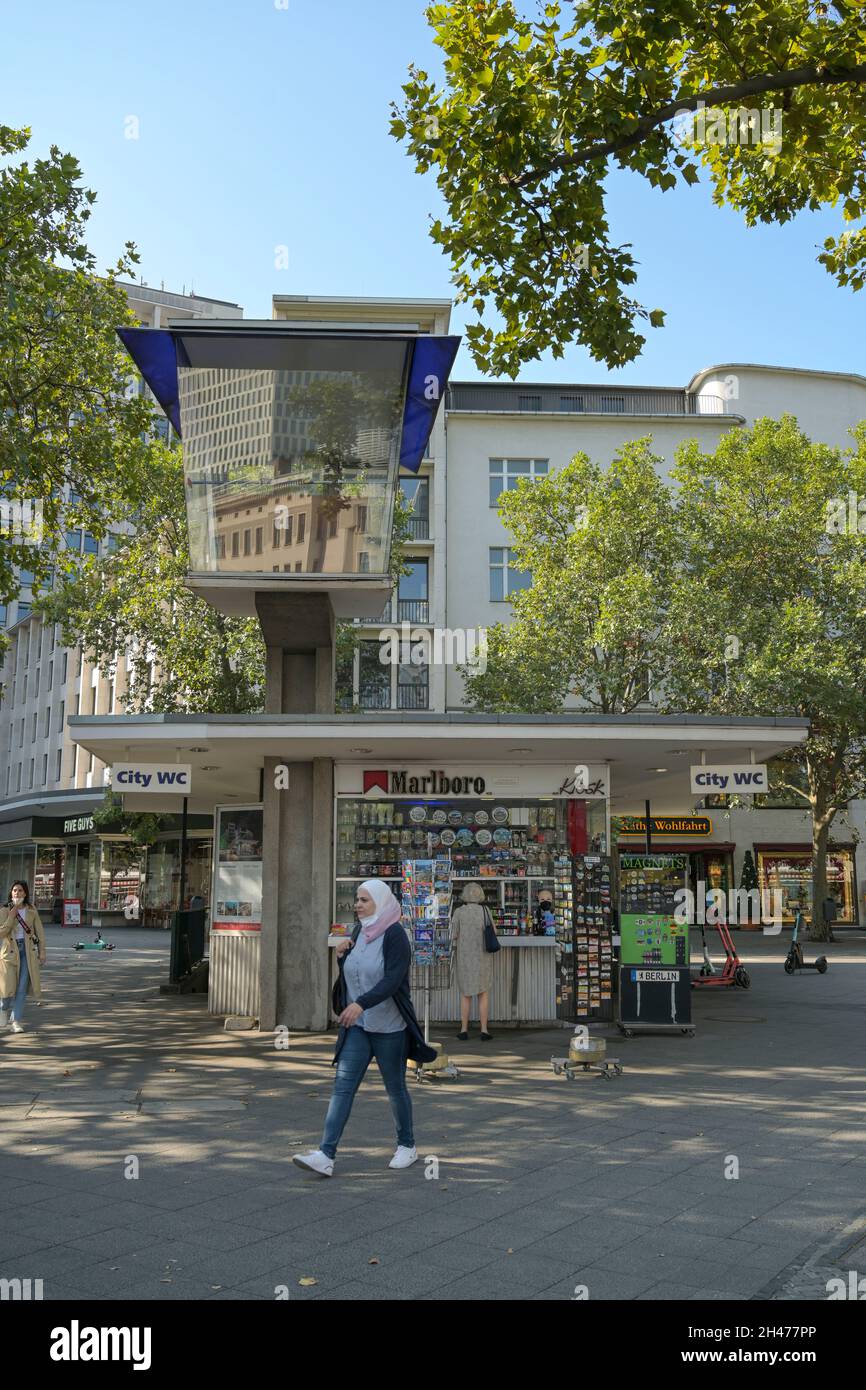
[(18, 862), (162, 889), (790, 871), (509, 846)]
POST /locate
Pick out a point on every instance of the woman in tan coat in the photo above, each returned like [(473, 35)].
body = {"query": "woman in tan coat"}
[(473, 965), (22, 952)]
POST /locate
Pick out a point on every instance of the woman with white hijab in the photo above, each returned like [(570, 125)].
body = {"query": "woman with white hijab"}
[(376, 1018)]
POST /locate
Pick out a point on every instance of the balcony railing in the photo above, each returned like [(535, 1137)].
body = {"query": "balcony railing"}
[(419, 528), (413, 697), (581, 400), (413, 610), (374, 698)]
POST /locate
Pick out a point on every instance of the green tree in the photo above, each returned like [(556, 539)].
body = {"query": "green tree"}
[(602, 548), (67, 418), (184, 654), (769, 613), (534, 115)]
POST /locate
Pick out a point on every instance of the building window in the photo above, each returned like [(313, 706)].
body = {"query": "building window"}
[(59, 763), (505, 474), (416, 491), (36, 682), (504, 581), (278, 531), (44, 769), (361, 522), (65, 660), (302, 526), (21, 735), (412, 593), (258, 540), (363, 562), (790, 873), (18, 779), (91, 544), (236, 544), (48, 721), (33, 735), (614, 405), (332, 527), (248, 542), (571, 403), (50, 675), (32, 766), (73, 541), (221, 547), (532, 403), (413, 687), (374, 678)]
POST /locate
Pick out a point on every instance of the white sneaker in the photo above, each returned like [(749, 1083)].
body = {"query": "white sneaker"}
[(16, 1027), (404, 1158), (315, 1162)]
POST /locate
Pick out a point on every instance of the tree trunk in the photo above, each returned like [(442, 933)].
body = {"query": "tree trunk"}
[(821, 930)]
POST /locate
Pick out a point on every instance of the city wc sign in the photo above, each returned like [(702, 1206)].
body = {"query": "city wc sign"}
[(152, 777), (746, 779)]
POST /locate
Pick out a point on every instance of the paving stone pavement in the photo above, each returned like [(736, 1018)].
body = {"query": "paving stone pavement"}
[(146, 1152)]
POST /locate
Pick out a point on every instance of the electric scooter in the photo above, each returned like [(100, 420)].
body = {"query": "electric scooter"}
[(732, 972), (97, 944), (794, 959)]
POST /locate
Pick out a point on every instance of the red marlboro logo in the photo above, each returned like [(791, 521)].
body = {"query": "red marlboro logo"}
[(375, 779)]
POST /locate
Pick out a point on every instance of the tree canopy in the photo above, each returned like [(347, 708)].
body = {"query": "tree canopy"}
[(68, 420), (769, 99)]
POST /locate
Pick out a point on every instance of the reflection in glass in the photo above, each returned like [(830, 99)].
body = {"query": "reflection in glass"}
[(302, 461)]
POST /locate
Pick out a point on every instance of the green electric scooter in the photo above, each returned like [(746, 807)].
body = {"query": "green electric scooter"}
[(794, 959)]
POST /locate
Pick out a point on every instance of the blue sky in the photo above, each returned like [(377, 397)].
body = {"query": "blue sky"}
[(262, 126)]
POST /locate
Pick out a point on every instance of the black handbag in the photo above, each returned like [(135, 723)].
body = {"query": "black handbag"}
[(491, 940)]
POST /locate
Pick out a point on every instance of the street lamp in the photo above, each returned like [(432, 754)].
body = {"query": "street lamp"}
[(292, 441)]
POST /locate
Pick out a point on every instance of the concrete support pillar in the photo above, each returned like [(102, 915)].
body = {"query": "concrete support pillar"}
[(297, 868)]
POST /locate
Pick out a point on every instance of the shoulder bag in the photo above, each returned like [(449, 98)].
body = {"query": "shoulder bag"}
[(491, 940)]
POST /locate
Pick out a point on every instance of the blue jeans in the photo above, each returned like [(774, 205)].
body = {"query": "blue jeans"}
[(356, 1054), (16, 1002)]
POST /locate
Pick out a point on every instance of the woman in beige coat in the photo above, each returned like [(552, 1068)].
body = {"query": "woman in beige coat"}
[(473, 965), (22, 952)]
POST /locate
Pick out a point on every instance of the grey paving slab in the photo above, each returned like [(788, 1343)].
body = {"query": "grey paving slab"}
[(625, 1180)]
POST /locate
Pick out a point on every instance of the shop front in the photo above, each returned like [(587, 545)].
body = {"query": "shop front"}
[(788, 869), (510, 829)]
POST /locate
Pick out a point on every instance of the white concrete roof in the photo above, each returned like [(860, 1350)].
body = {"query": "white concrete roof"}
[(233, 748)]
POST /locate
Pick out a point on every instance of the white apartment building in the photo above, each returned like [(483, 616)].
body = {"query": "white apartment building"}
[(48, 786), (488, 435)]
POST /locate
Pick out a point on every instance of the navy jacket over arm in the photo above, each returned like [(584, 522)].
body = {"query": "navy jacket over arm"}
[(394, 984)]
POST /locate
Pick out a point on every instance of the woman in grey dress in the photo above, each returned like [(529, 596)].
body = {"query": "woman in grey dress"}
[(473, 965)]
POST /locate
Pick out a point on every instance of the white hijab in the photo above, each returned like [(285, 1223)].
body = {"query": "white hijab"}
[(388, 909)]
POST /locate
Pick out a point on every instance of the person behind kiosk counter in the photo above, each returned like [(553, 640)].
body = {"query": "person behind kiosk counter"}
[(472, 964), (543, 912), (22, 952), (376, 1018)]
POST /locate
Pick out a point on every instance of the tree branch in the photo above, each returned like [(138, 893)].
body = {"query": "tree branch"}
[(772, 82)]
